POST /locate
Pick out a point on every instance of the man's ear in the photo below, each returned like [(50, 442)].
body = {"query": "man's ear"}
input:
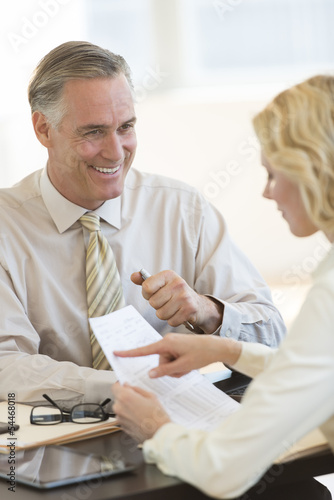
[(42, 128)]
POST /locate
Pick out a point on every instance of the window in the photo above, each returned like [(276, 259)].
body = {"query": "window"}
[(238, 40), (124, 27), (211, 42)]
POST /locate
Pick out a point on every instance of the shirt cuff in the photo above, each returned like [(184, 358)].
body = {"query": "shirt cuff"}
[(231, 322), (254, 358)]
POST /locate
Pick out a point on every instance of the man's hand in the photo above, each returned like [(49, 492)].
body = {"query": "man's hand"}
[(179, 354), (139, 412), (177, 303)]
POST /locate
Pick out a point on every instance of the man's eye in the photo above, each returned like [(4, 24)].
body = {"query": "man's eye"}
[(93, 133), (127, 126)]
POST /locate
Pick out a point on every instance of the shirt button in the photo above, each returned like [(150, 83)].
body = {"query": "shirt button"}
[(228, 333)]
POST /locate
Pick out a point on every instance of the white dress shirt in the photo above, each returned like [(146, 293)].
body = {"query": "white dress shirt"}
[(157, 224), (293, 394)]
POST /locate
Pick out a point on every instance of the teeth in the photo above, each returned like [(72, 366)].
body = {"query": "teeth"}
[(107, 170)]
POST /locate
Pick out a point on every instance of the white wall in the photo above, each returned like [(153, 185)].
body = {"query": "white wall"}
[(211, 145), (28, 30)]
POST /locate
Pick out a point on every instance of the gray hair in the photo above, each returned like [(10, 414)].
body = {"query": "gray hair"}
[(70, 61)]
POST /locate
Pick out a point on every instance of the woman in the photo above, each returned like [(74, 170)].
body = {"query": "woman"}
[(293, 390)]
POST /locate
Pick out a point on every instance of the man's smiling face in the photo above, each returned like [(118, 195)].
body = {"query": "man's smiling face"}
[(92, 150)]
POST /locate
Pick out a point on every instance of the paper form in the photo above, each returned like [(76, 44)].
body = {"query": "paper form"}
[(190, 400)]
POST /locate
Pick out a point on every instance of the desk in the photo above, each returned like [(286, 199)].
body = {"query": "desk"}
[(147, 482)]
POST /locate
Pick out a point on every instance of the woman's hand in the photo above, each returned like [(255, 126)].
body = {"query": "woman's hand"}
[(139, 412), (181, 353)]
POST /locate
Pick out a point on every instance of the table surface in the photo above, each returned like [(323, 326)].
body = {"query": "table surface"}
[(146, 482)]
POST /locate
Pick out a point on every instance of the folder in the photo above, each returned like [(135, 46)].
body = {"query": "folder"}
[(31, 435)]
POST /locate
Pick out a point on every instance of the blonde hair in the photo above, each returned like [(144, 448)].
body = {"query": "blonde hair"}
[(296, 133), (69, 61)]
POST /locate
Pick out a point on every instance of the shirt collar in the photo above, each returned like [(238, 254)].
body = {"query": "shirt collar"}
[(64, 213)]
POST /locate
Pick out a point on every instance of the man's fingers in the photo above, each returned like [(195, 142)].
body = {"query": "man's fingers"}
[(136, 278), (158, 285), (152, 285)]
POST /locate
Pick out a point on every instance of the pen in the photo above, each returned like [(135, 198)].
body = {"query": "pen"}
[(145, 274)]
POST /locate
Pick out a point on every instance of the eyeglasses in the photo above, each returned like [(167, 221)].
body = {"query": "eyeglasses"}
[(85, 413)]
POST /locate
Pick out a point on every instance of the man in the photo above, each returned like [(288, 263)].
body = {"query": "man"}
[(82, 104)]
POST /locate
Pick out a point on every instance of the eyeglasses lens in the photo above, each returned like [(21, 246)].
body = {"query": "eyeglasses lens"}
[(46, 415), (88, 414)]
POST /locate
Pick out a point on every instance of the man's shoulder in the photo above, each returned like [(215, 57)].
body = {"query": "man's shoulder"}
[(137, 179), (25, 190)]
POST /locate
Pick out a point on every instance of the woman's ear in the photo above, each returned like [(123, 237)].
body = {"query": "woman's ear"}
[(42, 128)]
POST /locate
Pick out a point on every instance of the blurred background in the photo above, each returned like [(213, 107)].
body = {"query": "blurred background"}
[(202, 69)]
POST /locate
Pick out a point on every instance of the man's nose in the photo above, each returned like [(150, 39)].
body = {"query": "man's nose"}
[(112, 148)]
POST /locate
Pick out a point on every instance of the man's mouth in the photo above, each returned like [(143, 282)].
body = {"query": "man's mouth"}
[(106, 170)]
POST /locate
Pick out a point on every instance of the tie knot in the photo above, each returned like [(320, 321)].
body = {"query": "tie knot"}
[(91, 221)]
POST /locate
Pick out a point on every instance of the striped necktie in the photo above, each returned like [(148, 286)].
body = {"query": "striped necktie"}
[(103, 284)]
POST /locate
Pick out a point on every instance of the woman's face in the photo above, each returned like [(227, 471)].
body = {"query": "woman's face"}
[(287, 196)]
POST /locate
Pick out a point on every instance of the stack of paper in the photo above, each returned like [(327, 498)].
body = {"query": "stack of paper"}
[(191, 400)]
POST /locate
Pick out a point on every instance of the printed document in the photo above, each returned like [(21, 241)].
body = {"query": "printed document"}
[(190, 400)]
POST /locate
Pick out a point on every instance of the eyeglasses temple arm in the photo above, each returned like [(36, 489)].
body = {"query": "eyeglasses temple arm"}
[(105, 402), (45, 396)]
